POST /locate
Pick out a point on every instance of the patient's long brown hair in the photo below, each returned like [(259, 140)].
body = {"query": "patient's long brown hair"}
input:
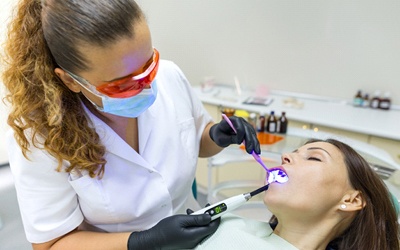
[(375, 227), (44, 112)]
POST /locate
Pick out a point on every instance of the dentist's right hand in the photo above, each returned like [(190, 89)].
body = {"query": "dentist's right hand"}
[(174, 232), (223, 135)]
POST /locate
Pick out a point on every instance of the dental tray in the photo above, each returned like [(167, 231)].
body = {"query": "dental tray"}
[(264, 101)]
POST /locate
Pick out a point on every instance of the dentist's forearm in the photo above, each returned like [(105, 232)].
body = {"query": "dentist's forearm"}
[(208, 147), (86, 240)]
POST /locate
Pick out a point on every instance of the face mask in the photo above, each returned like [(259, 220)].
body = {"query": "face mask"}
[(130, 107), (129, 98)]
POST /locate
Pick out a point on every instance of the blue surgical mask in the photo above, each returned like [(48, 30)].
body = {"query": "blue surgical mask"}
[(130, 107)]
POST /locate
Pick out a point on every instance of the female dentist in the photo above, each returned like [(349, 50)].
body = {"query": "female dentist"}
[(105, 136)]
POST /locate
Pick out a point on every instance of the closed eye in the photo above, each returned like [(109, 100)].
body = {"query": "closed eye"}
[(314, 159)]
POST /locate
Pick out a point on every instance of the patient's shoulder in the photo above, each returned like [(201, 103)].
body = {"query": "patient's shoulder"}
[(254, 227), (237, 232)]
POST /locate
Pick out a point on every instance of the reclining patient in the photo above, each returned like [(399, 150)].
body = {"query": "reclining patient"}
[(333, 200)]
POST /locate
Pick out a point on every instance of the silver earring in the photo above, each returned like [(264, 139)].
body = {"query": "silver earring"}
[(343, 206)]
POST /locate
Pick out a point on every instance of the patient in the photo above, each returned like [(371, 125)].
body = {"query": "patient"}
[(333, 200)]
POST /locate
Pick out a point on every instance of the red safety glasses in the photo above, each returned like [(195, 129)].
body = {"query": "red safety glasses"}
[(125, 87), (132, 84)]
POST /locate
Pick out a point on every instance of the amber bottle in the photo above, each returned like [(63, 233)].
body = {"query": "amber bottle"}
[(282, 124), (271, 123)]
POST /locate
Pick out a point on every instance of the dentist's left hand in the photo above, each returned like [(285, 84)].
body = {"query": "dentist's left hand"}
[(223, 135)]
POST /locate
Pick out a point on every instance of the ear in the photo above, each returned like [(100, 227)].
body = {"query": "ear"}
[(353, 201), (67, 80)]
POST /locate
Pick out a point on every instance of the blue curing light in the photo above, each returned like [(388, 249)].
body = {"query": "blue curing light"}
[(277, 175)]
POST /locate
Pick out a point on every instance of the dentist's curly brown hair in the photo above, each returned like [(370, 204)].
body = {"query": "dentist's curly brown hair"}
[(44, 113)]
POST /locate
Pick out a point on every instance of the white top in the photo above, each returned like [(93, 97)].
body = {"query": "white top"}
[(137, 190), (236, 233)]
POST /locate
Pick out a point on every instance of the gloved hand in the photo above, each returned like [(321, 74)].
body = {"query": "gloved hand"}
[(223, 135), (174, 232)]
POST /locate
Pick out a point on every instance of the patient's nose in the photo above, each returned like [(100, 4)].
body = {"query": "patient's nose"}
[(285, 158)]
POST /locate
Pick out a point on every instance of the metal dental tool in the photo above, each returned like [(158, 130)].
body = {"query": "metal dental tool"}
[(275, 174), (254, 154)]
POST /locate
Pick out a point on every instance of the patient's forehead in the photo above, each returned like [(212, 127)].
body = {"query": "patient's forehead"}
[(330, 149)]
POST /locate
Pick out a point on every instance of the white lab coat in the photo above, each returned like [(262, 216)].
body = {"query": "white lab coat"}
[(137, 190)]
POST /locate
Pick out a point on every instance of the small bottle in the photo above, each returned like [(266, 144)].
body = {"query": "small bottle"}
[(358, 99), (365, 102), (261, 123), (253, 120), (374, 102), (282, 124), (228, 111), (385, 101), (271, 123)]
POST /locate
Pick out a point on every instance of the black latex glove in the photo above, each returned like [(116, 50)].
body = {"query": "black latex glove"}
[(174, 232), (223, 135)]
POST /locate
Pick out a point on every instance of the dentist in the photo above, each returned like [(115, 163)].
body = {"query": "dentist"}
[(105, 135)]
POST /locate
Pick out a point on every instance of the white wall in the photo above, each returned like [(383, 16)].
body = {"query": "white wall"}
[(3, 128), (5, 10), (330, 48)]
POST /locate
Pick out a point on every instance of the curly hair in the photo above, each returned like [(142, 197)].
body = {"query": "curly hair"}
[(44, 112)]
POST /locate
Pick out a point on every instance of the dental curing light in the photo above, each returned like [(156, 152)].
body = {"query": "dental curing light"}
[(218, 209), (276, 175)]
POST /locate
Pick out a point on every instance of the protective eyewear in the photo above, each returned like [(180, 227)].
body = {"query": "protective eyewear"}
[(128, 86)]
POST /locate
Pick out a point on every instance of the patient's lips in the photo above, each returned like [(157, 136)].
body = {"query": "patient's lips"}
[(277, 174)]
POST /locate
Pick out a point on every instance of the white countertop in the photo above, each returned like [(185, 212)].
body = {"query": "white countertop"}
[(315, 110)]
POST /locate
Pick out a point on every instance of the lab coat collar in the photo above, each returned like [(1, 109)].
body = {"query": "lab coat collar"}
[(146, 123), (116, 145)]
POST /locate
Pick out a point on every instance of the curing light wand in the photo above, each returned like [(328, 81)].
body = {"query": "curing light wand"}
[(218, 209)]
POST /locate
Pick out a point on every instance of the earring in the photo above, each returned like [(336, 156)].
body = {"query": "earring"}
[(343, 206)]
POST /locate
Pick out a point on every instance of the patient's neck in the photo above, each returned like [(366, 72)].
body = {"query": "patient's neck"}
[(309, 235)]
